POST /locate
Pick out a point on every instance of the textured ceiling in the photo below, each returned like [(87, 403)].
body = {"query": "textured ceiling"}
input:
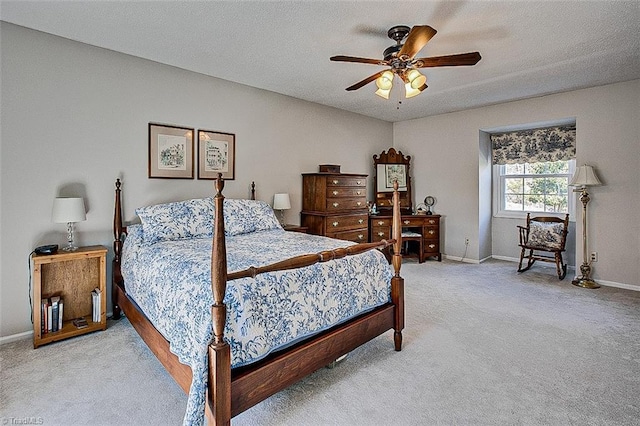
[(528, 48)]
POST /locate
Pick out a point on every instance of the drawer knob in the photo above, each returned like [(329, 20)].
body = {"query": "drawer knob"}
[(335, 223), (335, 204), (335, 192), (432, 232), (358, 182), (359, 203), (361, 221), (380, 223), (335, 182), (406, 222), (432, 246), (360, 236), (431, 221), (380, 234), (358, 193)]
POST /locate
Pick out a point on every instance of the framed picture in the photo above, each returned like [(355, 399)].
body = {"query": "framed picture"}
[(216, 154), (393, 172), (170, 151)]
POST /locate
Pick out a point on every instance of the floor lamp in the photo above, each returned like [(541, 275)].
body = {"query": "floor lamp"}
[(584, 176)]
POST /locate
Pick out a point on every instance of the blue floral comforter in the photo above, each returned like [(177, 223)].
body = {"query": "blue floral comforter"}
[(170, 281)]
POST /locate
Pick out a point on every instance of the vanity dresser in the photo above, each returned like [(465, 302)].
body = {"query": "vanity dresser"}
[(420, 232)]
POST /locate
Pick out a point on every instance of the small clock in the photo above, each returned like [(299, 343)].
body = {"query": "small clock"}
[(429, 201)]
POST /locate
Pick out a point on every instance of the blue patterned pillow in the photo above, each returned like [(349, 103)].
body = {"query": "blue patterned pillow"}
[(547, 235), (245, 216), (194, 219), (175, 221)]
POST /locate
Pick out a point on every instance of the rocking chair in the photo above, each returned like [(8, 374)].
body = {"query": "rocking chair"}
[(544, 234)]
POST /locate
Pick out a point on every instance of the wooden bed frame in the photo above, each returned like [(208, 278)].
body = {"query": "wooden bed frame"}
[(231, 392)]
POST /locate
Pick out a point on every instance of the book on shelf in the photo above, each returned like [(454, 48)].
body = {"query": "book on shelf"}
[(95, 298), (51, 314), (44, 316), (55, 312), (60, 313), (80, 323)]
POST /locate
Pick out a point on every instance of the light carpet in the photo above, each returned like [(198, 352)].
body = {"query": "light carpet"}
[(483, 345)]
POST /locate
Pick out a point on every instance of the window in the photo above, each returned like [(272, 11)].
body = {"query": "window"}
[(534, 187)]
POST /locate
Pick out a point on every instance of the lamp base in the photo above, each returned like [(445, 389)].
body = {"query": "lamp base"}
[(585, 282), (70, 248)]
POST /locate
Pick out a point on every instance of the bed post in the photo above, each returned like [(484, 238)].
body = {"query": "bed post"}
[(253, 190), (397, 282), (219, 394), (117, 250)]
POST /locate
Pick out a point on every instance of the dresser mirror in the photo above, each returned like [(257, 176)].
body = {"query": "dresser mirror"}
[(391, 166)]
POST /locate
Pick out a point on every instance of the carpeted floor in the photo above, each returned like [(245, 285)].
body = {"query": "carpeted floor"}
[(483, 345)]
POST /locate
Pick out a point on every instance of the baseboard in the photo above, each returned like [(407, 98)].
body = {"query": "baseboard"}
[(618, 285), (16, 337), (27, 334), (460, 259), (572, 268)]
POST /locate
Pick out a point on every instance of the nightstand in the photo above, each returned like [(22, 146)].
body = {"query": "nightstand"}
[(72, 276), (296, 228)]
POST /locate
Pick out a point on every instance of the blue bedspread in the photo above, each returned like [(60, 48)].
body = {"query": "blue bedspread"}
[(170, 281)]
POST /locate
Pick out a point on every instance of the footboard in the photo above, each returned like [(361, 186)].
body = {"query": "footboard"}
[(265, 379)]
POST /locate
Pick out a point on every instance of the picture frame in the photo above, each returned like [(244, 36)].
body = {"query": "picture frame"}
[(170, 151), (216, 154), (388, 174)]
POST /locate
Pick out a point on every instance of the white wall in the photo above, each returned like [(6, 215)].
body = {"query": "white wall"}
[(445, 149), (75, 117)]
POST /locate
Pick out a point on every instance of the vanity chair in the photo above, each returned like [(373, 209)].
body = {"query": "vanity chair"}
[(420, 233)]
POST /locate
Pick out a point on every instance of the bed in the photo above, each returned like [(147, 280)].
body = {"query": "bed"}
[(214, 331)]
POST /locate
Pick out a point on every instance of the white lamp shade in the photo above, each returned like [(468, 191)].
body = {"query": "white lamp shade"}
[(281, 201), (68, 210), (383, 93), (385, 81), (585, 176), (416, 79)]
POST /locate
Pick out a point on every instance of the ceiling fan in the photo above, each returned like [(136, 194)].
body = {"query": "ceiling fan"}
[(403, 63)]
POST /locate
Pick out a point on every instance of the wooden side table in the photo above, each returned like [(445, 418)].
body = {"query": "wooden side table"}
[(296, 228), (72, 276)]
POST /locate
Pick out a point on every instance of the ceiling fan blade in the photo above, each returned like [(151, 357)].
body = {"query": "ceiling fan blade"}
[(342, 58), (417, 38), (460, 59), (365, 81)]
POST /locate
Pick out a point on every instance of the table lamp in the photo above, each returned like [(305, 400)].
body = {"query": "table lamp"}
[(69, 211), (281, 202)]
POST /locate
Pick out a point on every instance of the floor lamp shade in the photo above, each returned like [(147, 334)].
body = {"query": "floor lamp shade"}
[(584, 177)]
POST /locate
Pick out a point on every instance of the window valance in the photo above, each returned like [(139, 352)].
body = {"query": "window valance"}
[(533, 146)]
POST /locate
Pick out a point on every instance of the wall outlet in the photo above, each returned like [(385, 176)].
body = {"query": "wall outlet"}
[(466, 241), (594, 256)]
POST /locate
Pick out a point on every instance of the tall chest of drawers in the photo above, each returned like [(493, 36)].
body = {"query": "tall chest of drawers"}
[(335, 205)]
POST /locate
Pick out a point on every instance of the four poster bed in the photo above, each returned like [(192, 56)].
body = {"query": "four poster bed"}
[(232, 339)]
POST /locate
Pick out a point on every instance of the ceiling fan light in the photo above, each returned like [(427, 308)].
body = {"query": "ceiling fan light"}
[(410, 92), (385, 81), (416, 79), (383, 93)]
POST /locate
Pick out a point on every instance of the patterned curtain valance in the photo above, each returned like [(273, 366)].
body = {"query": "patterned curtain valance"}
[(533, 146)]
